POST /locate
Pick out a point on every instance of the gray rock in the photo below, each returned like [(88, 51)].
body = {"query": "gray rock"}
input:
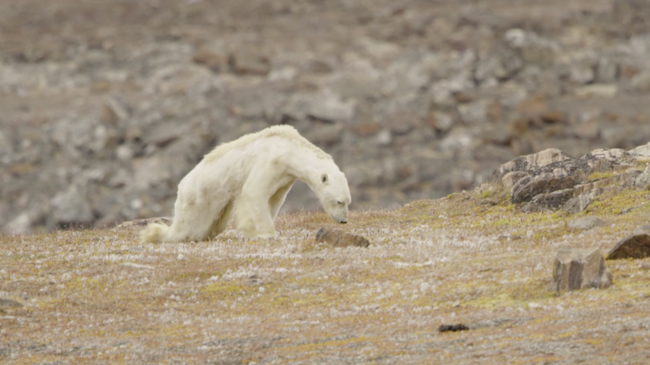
[(575, 269), (548, 201), (532, 162), (6, 148), (641, 151), (19, 225), (642, 180), (325, 135), (546, 182), (71, 207), (244, 62), (510, 179), (596, 90), (324, 105), (534, 49), (636, 246), (586, 223), (578, 204), (502, 62), (607, 70)]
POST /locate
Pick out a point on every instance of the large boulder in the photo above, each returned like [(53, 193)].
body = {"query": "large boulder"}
[(575, 269)]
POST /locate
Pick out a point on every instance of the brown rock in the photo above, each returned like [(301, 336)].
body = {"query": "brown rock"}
[(211, 59), (576, 269), (636, 245), (366, 129), (532, 106), (245, 63), (338, 238)]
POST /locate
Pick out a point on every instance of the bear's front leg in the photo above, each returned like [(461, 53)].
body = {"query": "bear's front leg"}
[(253, 218)]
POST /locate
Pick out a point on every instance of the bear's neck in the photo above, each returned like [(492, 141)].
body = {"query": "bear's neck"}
[(308, 167)]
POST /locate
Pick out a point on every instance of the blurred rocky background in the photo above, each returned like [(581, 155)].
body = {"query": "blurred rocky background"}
[(106, 105)]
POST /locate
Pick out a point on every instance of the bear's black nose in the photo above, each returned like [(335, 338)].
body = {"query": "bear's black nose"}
[(344, 222)]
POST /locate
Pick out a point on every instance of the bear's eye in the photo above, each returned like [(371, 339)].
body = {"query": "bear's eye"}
[(339, 202)]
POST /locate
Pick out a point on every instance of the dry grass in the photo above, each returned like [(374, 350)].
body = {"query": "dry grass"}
[(100, 297)]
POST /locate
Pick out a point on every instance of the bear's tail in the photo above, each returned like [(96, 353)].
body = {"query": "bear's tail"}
[(153, 233)]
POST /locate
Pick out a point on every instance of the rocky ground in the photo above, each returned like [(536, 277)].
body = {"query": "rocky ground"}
[(106, 105), (473, 261)]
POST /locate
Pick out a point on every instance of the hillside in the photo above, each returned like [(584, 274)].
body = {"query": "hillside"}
[(472, 258), (106, 105)]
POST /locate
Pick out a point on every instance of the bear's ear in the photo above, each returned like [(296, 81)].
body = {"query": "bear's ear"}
[(323, 178)]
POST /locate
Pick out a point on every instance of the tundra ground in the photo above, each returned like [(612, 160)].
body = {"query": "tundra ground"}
[(100, 297)]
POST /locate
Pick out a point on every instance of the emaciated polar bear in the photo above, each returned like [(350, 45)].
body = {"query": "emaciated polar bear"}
[(249, 178)]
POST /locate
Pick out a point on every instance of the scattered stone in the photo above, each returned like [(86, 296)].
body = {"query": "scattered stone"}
[(587, 223), (211, 58), (501, 63), (71, 207), (576, 269), (139, 223), (452, 327), (247, 63), (338, 238), (115, 109), (599, 90), (635, 246), (137, 266), (8, 304), (578, 204)]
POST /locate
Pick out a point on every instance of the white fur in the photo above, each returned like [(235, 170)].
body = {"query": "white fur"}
[(248, 179)]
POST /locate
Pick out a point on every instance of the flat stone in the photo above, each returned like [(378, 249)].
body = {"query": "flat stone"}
[(338, 238), (7, 304), (576, 269), (587, 223), (139, 223), (599, 90), (635, 246)]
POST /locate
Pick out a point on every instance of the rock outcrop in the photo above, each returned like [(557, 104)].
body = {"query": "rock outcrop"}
[(552, 179)]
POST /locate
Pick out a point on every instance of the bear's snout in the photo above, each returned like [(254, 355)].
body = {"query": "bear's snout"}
[(344, 222)]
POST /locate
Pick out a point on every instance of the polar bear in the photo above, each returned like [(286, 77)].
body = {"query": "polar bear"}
[(248, 179)]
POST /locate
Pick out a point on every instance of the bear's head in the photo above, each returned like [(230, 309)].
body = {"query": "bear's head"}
[(334, 195)]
